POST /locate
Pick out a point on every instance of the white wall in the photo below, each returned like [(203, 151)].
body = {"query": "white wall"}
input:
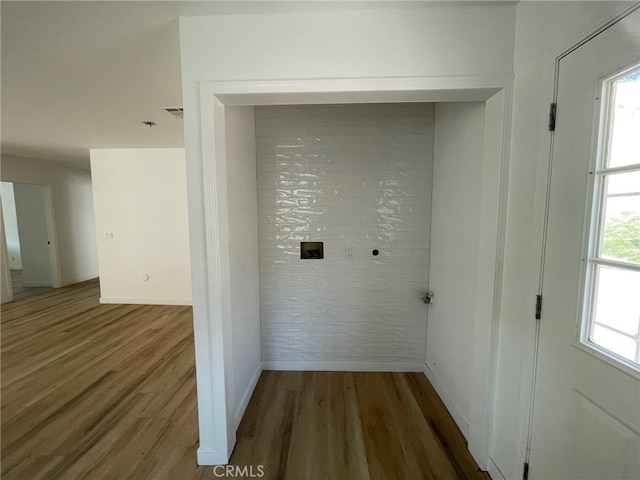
[(389, 42), (543, 30), (73, 212), (243, 251), (358, 44), (34, 235), (457, 198), (11, 225), (140, 197), (355, 176)]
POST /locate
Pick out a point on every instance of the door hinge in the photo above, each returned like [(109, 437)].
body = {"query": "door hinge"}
[(552, 117), (525, 472), (538, 306)]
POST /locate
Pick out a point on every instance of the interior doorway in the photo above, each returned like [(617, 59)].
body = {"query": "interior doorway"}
[(29, 235), (12, 235)]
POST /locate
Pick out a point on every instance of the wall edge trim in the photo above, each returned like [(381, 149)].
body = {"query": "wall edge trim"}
[(83, 278), (147, 301), (341, 366), (211, 457), (494, 471), (36, 284), (246, 396), (457, 415)]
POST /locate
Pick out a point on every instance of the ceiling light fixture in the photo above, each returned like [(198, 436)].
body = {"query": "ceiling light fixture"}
[(149, 123)]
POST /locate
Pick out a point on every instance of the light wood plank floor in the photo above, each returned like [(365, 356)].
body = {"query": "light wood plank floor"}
[(108, 392), (351, 425)]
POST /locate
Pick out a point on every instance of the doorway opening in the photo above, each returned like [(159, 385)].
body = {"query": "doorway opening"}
[(29, 236), (228, 368)]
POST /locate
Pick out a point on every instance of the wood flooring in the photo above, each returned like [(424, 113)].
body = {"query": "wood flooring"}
[(103, 392), (351, 425)]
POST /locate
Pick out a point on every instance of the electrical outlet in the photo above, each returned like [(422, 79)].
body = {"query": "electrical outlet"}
[(108, 235), (348, 252)]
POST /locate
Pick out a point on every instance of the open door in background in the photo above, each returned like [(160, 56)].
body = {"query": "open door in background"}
[(29, 229), (586, 409)]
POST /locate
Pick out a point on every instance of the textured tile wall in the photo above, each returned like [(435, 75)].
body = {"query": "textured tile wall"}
[(350, 176)]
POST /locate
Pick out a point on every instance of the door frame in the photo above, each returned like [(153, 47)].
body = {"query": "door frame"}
[(210, 230), (527, 387), (5, 273), (50, 221)]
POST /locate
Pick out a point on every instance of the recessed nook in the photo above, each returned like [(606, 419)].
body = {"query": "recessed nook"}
[(228, 111)]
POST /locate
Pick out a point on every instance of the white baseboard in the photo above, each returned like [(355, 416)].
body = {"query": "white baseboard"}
[(246, 396), (147, 301), (462, 422), (338, 366), (211, 457), (494, 471), (80, 279), (36, 284)]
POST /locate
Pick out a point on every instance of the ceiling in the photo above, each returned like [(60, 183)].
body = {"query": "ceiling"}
[(81, 75)]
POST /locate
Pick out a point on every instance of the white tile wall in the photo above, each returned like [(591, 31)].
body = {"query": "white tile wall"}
[(350, 176)]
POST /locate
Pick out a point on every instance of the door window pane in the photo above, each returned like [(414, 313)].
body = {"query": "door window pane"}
[(625, 140), (621, 219), (614, 342), (617, 311)]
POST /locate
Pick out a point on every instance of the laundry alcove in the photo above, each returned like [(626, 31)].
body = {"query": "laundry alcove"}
[(409, 179)]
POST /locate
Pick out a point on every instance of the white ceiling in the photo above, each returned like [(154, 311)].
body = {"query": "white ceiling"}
[(81, 75)]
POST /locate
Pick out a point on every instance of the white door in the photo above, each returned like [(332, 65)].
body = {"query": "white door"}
[(35, 243), (586, 411)]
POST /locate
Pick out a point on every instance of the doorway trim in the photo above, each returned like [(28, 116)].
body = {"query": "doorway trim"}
[(5, 272), (212, 308)]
